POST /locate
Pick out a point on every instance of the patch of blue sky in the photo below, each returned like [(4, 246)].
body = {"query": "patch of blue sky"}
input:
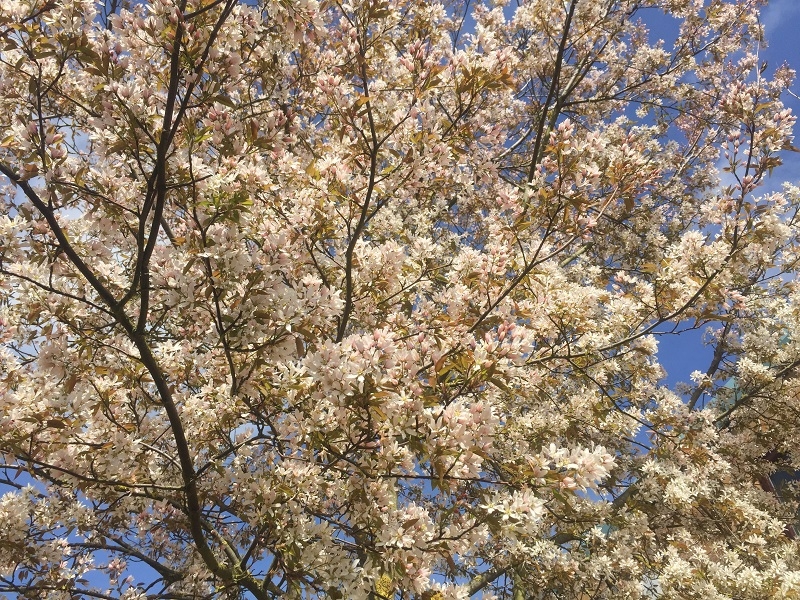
[(685, 350)]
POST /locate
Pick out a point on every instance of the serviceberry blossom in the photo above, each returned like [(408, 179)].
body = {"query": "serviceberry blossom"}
[(366, 300)]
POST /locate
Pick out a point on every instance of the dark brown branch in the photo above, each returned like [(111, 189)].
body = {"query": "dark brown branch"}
[(723, 420), (362, 221), (719, 354), (160, 179), (49, 215), (487, 577), (538, 145), (122, 547)]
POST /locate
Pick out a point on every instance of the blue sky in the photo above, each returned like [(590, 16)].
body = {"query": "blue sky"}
[(780, 19), (680, 355)]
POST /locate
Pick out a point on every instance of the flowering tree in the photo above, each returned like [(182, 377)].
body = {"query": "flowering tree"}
[(362, 299)]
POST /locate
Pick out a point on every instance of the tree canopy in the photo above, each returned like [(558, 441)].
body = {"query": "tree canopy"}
[(362, 299)]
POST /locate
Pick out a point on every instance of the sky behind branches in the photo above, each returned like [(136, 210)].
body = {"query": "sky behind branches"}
[(684, 353)]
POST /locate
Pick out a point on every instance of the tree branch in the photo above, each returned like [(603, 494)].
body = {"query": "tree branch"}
[(538, 145)]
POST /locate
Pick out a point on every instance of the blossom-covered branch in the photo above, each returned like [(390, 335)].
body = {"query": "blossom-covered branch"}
[(363, 299)]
